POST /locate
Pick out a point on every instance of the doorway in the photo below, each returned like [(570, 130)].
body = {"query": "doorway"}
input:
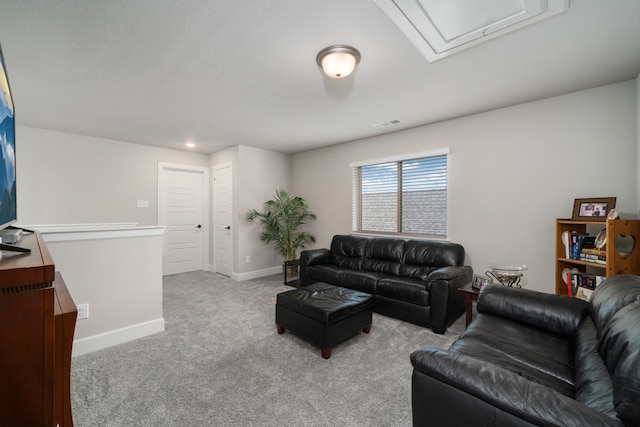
[(223, 218), (183, 209)]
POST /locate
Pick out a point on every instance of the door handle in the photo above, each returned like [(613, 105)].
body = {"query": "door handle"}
[(228, 227), (199, 226)]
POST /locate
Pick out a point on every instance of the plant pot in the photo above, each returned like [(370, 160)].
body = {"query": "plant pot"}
[(291, 271)]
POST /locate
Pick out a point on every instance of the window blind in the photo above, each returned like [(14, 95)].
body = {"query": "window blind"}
[(406, 196)]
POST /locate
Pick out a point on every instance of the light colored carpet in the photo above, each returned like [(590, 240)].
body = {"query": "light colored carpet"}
[(220, 362)]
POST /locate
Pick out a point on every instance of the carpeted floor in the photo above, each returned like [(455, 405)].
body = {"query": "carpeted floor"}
[(220, 362)]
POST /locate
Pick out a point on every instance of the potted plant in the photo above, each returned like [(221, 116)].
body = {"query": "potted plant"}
[(280, 220)]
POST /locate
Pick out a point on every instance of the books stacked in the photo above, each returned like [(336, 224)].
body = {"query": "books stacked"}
[(597, 256), (582, 247), (581, 285)]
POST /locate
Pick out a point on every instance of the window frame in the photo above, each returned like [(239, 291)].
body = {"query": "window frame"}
[(356, 189)]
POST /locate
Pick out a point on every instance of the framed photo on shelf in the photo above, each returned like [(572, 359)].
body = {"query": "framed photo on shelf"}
[(593, 209), (479, 281)]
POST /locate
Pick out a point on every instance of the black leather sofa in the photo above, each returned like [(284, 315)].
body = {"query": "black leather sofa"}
[(412, 280), (530, 358)]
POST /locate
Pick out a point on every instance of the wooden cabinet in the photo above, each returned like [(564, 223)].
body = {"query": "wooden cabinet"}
[(38, 318), (616, 263)]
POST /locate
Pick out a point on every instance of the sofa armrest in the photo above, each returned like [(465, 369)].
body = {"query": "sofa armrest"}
[(447, 304), (315, 256), (560, 315), (445, 383), (312, 257), (462, 274)]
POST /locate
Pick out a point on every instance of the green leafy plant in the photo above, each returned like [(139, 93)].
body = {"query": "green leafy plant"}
[(281, 219)]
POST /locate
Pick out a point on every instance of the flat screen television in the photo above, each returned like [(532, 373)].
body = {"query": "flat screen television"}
[(8, 205), (7, 151)]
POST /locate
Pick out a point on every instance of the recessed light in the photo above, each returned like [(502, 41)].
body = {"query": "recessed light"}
[(190, 144)]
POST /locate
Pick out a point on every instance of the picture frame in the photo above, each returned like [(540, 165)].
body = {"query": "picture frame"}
[(479, 281), (594, 209)]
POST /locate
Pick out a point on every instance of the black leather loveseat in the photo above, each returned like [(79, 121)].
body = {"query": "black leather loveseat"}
[(530, 358), (412, 280)]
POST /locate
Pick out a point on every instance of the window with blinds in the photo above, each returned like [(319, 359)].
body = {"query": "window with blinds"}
[(402, 196)]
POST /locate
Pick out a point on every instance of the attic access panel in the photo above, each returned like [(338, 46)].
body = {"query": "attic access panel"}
[(439, 28)]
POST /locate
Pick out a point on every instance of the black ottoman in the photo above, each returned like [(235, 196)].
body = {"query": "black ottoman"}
[(324, 314)]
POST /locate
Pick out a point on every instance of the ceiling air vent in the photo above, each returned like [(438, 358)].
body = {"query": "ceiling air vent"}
[(385, 124), (439, 28)]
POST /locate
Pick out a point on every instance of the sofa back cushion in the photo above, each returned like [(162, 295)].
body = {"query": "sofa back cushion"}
[(383, 255), (615, 309), (421, 257), (348, 251)]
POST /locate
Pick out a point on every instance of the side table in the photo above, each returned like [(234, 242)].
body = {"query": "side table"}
[(470, 295), (292, 273)]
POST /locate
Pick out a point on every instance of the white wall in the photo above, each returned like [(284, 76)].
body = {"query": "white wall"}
[(119, 274), (257, 174), (68, 178), (511, 173)]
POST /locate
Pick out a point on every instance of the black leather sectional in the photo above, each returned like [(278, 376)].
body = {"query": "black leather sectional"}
[(412, 280), (530, 358)]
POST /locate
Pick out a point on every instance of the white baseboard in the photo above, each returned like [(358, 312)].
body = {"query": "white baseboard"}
[(256, 273), (251, 274), (117, 336)]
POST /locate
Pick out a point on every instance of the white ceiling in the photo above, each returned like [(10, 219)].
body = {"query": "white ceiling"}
[(229, 72)]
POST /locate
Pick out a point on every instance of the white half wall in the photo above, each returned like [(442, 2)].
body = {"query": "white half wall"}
[(117, 270), (511, 173)]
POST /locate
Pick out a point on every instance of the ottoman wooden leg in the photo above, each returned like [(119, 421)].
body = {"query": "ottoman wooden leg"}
[(280, 329), (326, 352), (367, 329)]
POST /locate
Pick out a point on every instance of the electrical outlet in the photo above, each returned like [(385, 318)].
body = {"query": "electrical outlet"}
[(247, 259), (83, 311)]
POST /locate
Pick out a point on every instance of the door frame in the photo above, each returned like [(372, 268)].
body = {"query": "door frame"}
[(162, 166)]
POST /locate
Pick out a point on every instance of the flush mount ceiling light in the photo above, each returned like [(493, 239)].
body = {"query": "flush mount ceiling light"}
[(338, 61)]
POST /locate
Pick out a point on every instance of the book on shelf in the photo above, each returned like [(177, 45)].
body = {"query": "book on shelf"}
[(578, 242), (596, 256), (581, 285), (596, 260), (584, 294), (594, 251)]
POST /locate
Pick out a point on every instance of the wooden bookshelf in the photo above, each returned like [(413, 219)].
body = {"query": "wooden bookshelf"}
[(616, 263)]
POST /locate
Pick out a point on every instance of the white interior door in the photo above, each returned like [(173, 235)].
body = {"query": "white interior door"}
[(182, 209), (222, 218)]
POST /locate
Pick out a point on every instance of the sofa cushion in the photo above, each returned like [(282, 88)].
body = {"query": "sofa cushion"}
[(327, 273), (615, 307), (364, 281), (359, 280), (620, 291), (348, 251), (383, 255), (408, 289), (433, 253), (539, 356), (592, 382), (556, 315)]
